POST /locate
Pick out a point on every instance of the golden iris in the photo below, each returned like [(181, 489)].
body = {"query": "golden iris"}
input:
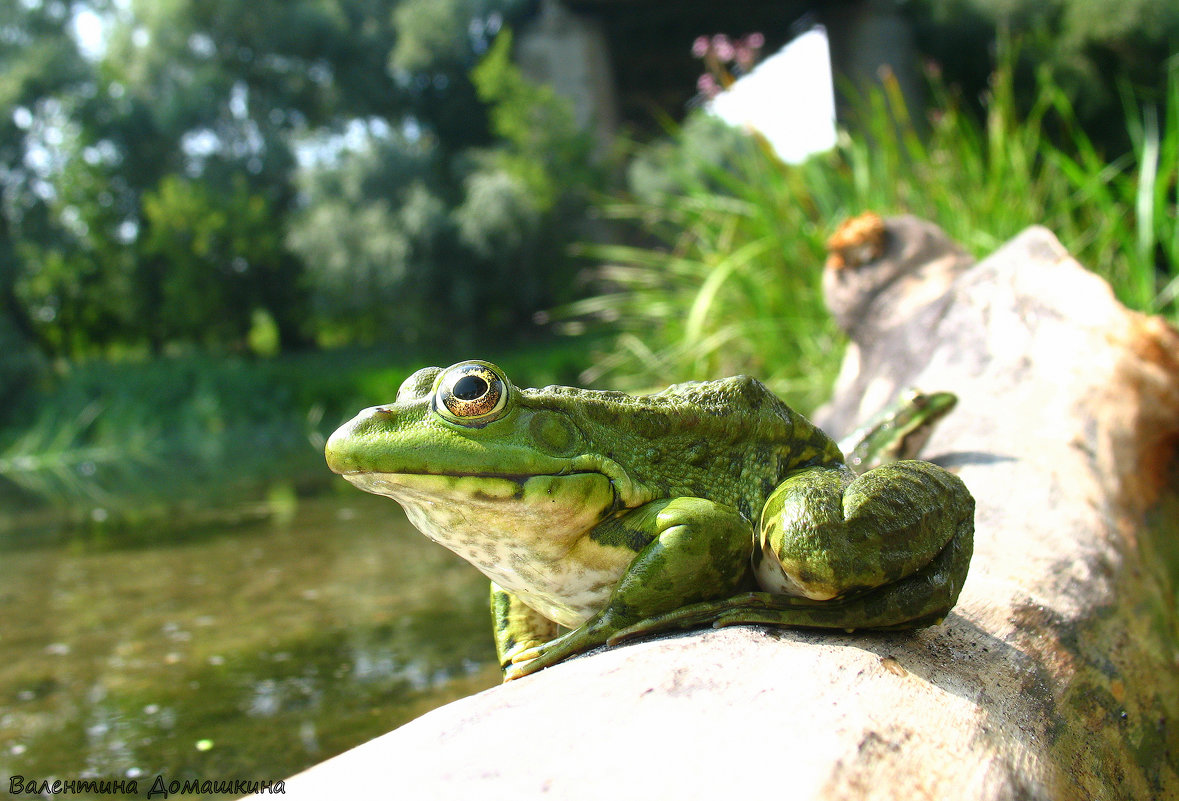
[(472, 393)]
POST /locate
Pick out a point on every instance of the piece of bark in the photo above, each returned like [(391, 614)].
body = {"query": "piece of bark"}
[(1055, 677)]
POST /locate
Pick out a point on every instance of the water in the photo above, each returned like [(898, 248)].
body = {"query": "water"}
[(244, 643)]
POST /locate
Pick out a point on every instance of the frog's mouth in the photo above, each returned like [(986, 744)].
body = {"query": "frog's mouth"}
[(471, 505)]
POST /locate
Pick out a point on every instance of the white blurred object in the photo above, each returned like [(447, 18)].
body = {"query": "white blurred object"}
[(789, 98)]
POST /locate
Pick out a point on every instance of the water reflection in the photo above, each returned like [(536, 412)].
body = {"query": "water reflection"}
[(246, 648)]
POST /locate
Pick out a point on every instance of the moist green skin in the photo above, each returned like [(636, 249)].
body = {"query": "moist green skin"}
[(616, 515)]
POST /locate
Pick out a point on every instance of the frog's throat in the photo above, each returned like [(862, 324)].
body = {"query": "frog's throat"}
[(520, 531)]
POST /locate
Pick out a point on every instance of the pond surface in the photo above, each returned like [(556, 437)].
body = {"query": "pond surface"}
[(250, 644)]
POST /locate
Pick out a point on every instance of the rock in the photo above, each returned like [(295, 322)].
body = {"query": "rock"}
[(1055, 677)]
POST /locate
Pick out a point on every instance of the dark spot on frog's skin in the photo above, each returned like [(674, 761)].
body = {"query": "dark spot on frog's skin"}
[(744, 508), (517, 495), (753, 393), (502, 605), (696, 454), (768, 485), (509, 646), (621, 536)]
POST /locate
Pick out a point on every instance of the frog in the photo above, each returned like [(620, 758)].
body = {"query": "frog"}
[(899, 432), (601, 516)]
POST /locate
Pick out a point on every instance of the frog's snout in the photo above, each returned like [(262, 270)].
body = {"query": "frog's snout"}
[(345, 446), (334, 450)]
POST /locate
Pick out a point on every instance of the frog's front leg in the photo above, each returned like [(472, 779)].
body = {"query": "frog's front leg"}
[(900, 537), (696, 550), (516, 626)]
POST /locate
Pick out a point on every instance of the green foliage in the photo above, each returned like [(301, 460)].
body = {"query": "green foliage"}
[(205, 250), (129, 434), (263, 338), (733, 284), (201, 183), (985, 180), (544, 147), (200, 260), (151, 192), (432, 34), (1089, 45), (70, 459), (525, 198), (77, 282), (20, 366), (404, 242), (699, 153), (368, 235)]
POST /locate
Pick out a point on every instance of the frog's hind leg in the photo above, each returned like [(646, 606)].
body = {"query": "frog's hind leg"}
[(827, 535), (920, 599), (916, 601)]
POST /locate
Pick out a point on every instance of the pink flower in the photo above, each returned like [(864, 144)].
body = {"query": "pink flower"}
[(707, 85), (755, 41), (722, 47), (700, 47)]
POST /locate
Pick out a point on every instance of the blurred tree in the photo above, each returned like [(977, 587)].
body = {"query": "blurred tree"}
[(525, 198), (369, 232), (77, 281), (38, 62), (438, 43), (406, 240), (150, 186), (208, 250), (542, 144)]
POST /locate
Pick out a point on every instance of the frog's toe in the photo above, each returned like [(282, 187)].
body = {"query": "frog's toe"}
[(518, 670), (527, 654), (533, 659)]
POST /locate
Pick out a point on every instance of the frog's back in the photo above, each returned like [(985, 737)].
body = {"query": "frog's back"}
[(730, 440)]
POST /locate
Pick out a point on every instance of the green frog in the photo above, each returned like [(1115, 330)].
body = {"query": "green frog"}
[(616, 516)]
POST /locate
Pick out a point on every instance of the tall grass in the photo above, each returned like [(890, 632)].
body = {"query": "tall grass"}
[(731, 282)]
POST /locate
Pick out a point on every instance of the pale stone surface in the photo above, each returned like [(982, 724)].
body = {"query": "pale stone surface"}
[(1056, 676), (712, 715)]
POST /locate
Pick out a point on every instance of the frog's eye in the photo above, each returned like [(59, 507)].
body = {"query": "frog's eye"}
[(472, 393)]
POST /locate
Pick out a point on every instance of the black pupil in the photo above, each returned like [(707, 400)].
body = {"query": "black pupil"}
[(470, 388)]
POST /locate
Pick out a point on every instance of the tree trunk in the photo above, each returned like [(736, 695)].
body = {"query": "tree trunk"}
[(1055, 677)]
